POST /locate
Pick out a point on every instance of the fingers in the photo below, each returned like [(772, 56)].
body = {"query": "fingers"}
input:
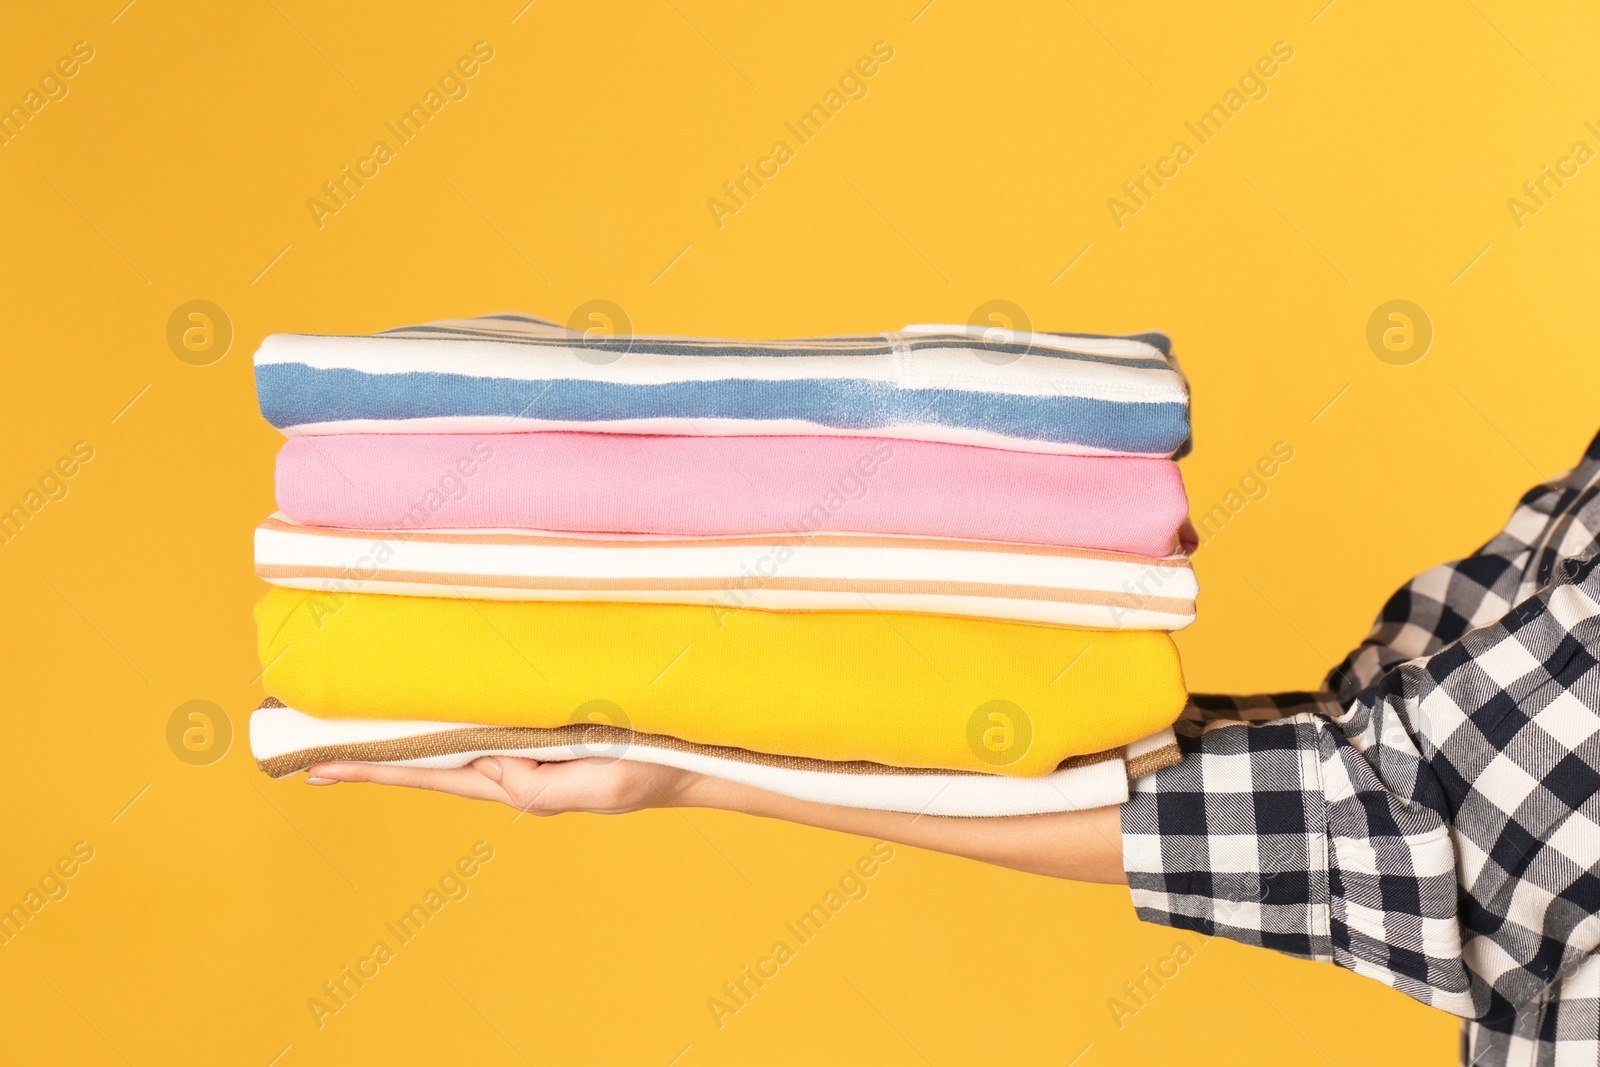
[(523, 783), (466, 782), (526, 785), (600, 786)]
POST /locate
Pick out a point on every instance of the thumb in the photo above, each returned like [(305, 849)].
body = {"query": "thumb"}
[(522, 780)]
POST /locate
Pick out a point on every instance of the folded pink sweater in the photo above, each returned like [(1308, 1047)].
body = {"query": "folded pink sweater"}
[(729, 486)]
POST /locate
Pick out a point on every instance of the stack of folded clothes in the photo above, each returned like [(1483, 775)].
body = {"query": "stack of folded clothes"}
[(928, 571)]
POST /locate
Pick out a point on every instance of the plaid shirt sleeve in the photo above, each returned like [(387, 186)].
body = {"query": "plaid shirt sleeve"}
[(1430, 817)]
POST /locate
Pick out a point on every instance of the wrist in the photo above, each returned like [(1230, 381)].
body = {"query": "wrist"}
[(691, 789)]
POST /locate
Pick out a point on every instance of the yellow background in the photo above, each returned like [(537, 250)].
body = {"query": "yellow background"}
[(579, 167)]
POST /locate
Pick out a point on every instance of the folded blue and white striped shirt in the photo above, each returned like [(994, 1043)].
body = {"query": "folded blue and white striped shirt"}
[(1080, 394)]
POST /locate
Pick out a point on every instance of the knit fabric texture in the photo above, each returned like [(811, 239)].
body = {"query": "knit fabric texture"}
[(901, 689), (710, 486)]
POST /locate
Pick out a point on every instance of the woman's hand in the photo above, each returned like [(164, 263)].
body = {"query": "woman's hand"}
[(602, 786), (1083, 845)]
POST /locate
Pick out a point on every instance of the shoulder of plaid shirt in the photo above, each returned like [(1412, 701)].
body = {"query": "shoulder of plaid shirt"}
[(1431, 816)]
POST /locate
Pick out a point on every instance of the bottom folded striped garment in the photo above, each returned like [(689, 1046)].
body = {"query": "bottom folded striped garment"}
[(285, 741)]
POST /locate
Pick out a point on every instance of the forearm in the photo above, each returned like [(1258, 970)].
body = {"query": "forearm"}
[(1085, 846)]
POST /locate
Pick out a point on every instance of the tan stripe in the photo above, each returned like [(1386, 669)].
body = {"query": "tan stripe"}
[(1167, 755), (1093, 598), (601, 736), (798, 540)]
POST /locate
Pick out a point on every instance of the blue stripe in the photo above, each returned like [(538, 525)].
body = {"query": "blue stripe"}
[(294, 394)]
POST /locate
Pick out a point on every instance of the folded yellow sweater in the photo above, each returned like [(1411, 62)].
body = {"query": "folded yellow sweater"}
[(906, 690)]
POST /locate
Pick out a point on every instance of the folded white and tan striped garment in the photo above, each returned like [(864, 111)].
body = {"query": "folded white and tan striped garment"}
[(285, 741), (780, 572)]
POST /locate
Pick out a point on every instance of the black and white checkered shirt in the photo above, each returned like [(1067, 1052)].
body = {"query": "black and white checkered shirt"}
[(1431, 817)]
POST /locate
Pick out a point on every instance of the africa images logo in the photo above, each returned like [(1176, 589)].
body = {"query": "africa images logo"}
[(999, 732)]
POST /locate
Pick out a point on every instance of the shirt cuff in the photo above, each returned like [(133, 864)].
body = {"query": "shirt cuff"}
[(1233, 840)]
